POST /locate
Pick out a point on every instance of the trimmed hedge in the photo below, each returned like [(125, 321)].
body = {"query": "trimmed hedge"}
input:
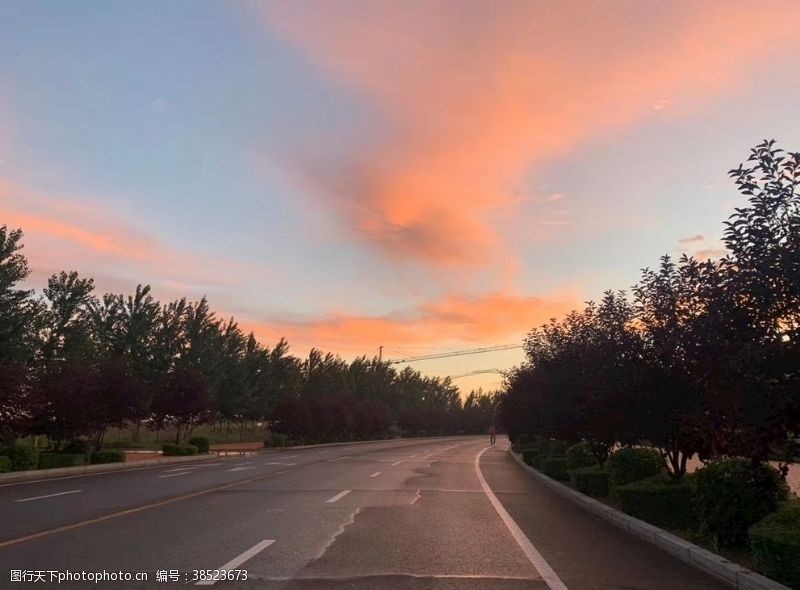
[(203, 443), (173, 450), (275, 439), (580, 455), (556, 467), (630, 464), (5, 464), (56, 460), (107, 456), (22, 458), (557, 448), (775, 545), (592, 481), (658, 500), (531, 457), (733, 495)]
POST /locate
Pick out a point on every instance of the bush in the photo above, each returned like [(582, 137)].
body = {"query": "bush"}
[(557, 448), (22, 458), (203, 443), (531, 457), (658, 500), (775, 545), (592, 481), (630, 464), (78, 446), (580, 455), (107, 456), (732, 495), (556, 467), (5, 464), (56, 460), (173, 450), (279, 439), (275, 439)]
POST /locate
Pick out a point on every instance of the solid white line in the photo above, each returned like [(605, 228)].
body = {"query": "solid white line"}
[(376, 474), (174, 474), (191, 467), (239, 560), (338, 497), (48, 496), (396, 463), (548, 575)]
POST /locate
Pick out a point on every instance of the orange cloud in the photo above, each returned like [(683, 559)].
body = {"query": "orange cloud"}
[(475, 94), (63, 232), (495, 318)]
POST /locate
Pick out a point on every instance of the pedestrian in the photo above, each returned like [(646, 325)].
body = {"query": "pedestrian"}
[(492, 434)]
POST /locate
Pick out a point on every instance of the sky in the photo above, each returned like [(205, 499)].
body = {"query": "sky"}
[(422, 176)]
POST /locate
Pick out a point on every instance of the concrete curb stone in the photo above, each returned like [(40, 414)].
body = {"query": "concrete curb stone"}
[(730, 573)]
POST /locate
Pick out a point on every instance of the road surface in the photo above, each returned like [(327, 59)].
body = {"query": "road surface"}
[(437, 513)]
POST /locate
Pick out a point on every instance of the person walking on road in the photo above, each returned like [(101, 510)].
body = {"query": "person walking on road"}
[(492, 434)]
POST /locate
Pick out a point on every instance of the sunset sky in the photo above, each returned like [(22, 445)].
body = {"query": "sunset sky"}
[(418, 175)]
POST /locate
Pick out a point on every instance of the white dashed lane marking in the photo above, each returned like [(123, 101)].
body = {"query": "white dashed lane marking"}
[(48, 496), (337, 497)]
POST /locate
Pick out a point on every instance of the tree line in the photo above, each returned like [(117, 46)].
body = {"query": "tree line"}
[(74, 364), (703, 356)]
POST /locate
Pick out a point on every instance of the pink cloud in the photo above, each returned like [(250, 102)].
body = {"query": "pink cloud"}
[(473, 94), (63, 232), (453, 320)]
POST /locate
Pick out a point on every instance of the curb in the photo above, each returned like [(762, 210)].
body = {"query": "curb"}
[(701, 559), (42, 474)]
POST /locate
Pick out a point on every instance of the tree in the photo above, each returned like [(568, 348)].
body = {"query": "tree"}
[(184, 401)]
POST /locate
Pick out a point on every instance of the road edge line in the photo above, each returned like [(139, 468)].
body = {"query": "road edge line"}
[(539, 563)]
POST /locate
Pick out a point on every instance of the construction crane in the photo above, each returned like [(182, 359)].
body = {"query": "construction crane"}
[(477, 372), (464, 352)]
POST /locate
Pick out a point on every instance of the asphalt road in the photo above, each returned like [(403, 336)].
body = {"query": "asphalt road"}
[(438, 513)]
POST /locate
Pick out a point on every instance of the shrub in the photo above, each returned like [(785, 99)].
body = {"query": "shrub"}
[(775, 545), (5, 464), (530, 456), (78, 446), (22, 458), (275, 439), (580, 455), (520, 442), (279, 439), (173, 450), (658, 500), (203, 443), (734, 494), (557, 448), (56, 460), (592, 481), (107, 456), (556, 467), (630, 464)]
